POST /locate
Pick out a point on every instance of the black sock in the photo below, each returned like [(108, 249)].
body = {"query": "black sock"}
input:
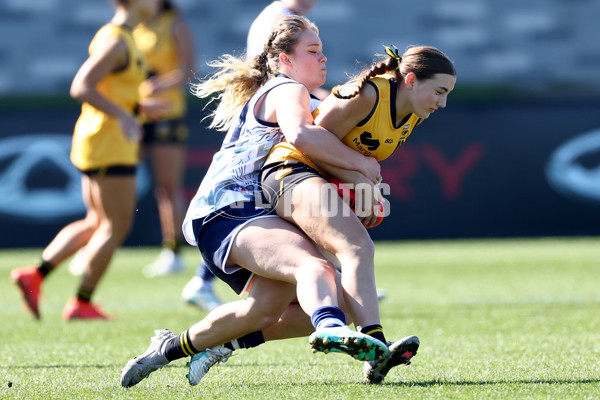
[(247, 341), (45, 268), (172, 244), (85, 294), (374, 330), (179, 347)]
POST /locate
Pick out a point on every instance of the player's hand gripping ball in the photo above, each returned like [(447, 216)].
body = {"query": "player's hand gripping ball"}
[(348, 195)]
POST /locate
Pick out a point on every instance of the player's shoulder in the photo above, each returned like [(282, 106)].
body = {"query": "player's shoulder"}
[(110, 37), (382, 82)]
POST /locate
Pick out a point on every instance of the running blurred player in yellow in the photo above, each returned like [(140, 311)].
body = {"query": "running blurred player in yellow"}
[(106, 150)]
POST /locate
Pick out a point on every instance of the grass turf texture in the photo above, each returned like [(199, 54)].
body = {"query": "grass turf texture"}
[(501, 319)]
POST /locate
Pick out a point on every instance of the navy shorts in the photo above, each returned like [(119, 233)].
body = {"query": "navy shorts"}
[(215, 234)]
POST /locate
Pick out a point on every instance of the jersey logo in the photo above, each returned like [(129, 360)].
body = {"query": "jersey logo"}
[(367, 139)]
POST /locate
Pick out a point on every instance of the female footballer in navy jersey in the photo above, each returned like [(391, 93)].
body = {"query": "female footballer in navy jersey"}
[(262, 102)]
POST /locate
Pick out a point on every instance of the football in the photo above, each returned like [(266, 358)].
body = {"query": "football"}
[(348, 195)]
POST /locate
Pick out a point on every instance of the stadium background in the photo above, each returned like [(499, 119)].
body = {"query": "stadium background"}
[(516, 153)]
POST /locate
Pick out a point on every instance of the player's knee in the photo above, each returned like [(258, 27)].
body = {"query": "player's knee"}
[(360, 246), (264, 316), (266, 320), (320, 268), (116, 229)]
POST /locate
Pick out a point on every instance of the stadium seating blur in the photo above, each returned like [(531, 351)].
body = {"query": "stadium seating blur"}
[(535, 43)]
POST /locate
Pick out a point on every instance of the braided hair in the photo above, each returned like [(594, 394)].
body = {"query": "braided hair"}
[(423, 61)]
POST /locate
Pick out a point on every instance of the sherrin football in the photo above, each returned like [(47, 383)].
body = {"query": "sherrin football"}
[(348, 195)]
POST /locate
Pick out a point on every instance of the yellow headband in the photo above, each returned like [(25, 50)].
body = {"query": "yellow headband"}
[(393, 53)]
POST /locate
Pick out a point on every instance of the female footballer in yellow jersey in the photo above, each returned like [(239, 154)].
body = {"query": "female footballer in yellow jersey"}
[(105, 150), (166, 41), (372, 114), (99, 140)]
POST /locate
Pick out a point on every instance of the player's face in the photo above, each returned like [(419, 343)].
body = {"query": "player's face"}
[(307, 62), (430, 94)]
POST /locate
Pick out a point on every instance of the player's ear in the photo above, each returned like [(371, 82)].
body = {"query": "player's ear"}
[(285, 60), (410, 79)]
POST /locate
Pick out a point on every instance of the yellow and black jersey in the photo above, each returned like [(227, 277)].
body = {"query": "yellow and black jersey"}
[(155, 39), (284, 152), (379, 134), (98, 140)]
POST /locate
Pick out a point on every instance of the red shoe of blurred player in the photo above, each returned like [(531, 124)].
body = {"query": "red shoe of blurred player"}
[(79, 309), (29, 280)]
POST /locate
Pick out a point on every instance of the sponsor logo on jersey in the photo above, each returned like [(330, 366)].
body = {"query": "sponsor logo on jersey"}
[(366, 138)]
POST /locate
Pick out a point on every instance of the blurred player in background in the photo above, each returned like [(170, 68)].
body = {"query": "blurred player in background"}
[(106, 150), (166, 41), (263, 24)]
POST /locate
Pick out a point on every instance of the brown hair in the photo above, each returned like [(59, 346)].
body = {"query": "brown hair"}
[(237, 79), (423, 61)]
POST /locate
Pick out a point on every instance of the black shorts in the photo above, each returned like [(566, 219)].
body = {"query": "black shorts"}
[(115, 170), (172, 131), (277, 178)]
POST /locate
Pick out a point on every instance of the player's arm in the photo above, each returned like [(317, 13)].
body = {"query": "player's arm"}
[(185, 52), (111, 56), (290, 102), (340, 116)]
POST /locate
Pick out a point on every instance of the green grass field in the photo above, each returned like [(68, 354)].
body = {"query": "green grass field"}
[(497, 319)]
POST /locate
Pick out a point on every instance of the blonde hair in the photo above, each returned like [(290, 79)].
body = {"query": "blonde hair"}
[(423, 61), (237, 79)]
